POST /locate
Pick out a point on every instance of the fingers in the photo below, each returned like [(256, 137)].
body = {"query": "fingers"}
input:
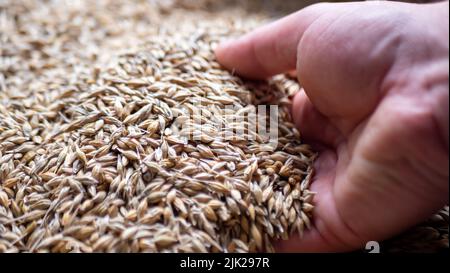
[(271, 49), (311, 242), (315, 128), (340, 64), (343, 60)]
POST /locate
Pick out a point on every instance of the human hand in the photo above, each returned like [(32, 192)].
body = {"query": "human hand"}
[(376, 105)]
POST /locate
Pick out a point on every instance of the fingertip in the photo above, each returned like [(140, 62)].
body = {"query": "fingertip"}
[(221, 50), (231, 55), (311, 242), (300, 105), (237, 56), (292, 245), (315, 128)]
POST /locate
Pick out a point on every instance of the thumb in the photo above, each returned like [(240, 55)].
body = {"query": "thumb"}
[(271, 49)]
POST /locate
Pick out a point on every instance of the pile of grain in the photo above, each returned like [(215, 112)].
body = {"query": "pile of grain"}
[(91, 96), (430, 236), (91, 158)]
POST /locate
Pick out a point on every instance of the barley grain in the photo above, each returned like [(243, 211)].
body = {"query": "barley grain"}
[(128, 136)]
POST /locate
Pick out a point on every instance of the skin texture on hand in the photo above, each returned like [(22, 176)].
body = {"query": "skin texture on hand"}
[(375, 104)]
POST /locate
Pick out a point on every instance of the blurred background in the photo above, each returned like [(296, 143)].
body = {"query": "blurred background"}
[(273, 8)]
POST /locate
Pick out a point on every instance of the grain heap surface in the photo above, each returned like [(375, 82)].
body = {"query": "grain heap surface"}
[(118, 133)]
